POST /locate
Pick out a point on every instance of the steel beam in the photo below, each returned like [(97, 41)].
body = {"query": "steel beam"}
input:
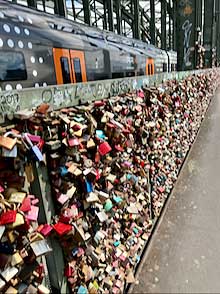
[(214, 29), (59, 7), (218, 32), (118, 15), (207, 32), (174, 24), (127, 15), (185, 35), (152, 21), (104, 15), (198, 27), (130, 13), (170, 30), (31, 3), (73, 9), (169, 9), (143, 31), (44, 6), (136, 23), (110, 15), (199, 13), (95, 12), (87, 14), (163, 24)]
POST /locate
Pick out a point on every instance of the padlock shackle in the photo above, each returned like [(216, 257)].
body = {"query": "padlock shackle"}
[(12, 134), (49, 131)]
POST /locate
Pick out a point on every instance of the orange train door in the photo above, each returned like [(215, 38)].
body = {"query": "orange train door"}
[(69, 66), (78, 66), (62, 66), (150, 66)]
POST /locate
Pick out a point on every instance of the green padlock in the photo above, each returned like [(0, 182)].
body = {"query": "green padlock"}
[(108, 205)]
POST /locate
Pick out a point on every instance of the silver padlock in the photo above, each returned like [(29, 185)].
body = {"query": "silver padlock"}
[(10, 153)]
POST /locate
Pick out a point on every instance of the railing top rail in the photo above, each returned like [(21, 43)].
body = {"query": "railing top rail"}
[(67, 95)]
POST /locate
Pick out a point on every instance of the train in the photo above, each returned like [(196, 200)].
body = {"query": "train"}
[(38, 49)]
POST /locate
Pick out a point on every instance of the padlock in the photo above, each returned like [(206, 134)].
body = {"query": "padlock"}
[(34, 138), (9, 145), (9, 153), (29, 172), (7, 142), (34, 148), (53, 145)]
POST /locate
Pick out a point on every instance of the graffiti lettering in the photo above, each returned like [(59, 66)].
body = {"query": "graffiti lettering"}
[(9, 103), (58, 97), (187, 28), (47, 96), (68, 95)]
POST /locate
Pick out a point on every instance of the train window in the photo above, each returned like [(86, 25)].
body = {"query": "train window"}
[(164, 67), (149, 69), (77, 69), (65, 70), (12, 66), (150, 66)]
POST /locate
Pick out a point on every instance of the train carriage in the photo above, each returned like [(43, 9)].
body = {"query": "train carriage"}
[(39, 49)]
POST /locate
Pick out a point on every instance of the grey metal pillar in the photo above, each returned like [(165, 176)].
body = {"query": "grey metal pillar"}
[(174, 24), (104, 15), (73, 8), (218, 31), (56, 7), (55, 260), (198, 24), (60, 7), (208, 31), (214, 29), (199, 13), (163, 24), (110, 15), (118, 15), (86, 8), (152, 21), (31, 3), (185, 35), (170, 30), (136, 23), (95, 12)]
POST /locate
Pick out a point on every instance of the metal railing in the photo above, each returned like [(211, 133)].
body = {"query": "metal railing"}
[(67, 95)]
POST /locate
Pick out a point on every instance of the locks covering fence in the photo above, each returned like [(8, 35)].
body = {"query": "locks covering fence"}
[(110, 166)]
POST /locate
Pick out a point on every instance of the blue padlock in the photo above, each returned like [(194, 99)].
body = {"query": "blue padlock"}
[(89, 187)]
